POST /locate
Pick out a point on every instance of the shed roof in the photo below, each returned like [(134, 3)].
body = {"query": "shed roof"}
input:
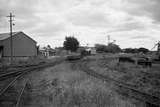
[(4, 36)]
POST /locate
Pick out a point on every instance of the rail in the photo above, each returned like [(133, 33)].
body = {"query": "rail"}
[(130, 91), (19, 75)]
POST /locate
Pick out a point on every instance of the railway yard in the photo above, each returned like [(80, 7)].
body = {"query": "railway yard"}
[(79, 53), (92, 81)]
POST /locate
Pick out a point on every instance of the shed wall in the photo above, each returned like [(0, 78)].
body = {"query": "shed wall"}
[(23, 46)]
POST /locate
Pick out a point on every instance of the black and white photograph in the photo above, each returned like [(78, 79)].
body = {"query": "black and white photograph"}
[(79, 53)]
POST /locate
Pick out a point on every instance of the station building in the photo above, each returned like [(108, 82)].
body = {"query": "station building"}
[(23, 46)]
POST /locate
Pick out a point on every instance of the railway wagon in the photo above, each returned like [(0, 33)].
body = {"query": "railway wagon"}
[(72, 57), (143, 61), (126, 59)]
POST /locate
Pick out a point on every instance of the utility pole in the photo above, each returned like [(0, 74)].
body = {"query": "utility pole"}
[(108, 39), (158, 47), (11, 41)]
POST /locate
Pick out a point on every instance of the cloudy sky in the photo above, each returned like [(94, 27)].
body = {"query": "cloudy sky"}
[(132, 23)]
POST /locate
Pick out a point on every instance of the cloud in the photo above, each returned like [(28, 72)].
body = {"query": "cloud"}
[(124, 20), (89, 18), (148, 8)]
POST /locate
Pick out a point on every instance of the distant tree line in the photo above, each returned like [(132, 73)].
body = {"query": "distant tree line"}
[(111, 48), (136, 50), (72, 44)]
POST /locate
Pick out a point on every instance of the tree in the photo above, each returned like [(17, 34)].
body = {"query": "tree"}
[(143, 50), (111, 48), (48, 46), (100, 47), (136, 50), (131, 50), (71, 43)]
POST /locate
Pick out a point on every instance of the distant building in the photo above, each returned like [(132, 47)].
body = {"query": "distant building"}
[(47, 51), (90, 50), (93, 50), (23, 45)]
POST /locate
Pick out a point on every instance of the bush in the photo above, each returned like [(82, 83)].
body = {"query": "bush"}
[(111, 48)]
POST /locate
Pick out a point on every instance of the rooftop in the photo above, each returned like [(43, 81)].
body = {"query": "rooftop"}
[(4, 36)]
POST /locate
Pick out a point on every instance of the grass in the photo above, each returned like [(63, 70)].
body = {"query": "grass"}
[(72, 88), (145, 79)]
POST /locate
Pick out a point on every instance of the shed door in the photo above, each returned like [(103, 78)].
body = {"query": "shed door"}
[(1, 51)]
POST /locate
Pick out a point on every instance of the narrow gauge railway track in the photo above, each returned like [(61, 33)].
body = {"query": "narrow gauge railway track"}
[(9, 96), (11, 83), (150, 100), (16, 76), (16, 68), (30, 68), (4, 68)]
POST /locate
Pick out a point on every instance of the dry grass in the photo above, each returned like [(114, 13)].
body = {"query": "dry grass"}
[(69, 87), (137, 76)]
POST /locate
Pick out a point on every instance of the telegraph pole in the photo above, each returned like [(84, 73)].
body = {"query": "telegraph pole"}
[(108, 39), (11, 41)]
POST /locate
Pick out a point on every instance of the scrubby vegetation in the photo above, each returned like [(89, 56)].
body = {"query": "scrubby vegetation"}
[(142, 78), (70, 87), (110, 48)]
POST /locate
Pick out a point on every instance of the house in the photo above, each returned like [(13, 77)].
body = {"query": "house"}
[(47, 51), (22, 45), (91, 50), (87, 50)]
